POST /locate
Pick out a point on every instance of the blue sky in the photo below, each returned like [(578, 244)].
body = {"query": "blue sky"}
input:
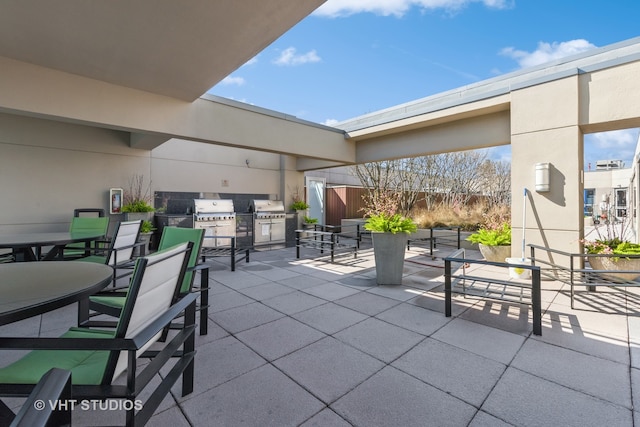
[(352, 57)]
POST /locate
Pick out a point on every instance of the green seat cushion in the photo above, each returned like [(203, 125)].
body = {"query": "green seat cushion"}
[(87, 366)]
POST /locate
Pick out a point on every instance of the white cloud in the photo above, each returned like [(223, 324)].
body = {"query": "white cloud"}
[(616, 139), (290, 57), (547, 52), (613, 145), (500, 153), (330, 122), (252, 61), (231, 80), (340, 8)]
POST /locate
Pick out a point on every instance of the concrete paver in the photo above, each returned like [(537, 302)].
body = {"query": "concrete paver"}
[(304, 342)]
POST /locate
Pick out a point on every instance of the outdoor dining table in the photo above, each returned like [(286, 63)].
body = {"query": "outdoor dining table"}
[(25, 243), (28, 289)]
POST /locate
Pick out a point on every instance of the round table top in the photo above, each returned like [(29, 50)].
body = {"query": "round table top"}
[(45, 239), (31, 288)]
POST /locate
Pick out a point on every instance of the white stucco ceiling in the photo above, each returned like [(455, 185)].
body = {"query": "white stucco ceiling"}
[(174, 48)]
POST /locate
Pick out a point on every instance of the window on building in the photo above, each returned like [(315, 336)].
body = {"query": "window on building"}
[(621, 202), (589, 198)]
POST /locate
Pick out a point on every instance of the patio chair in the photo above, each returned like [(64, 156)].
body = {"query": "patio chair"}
[(97, 358), (54, 386), (98, 225), (89, 212), (111, 302), (120, 251)]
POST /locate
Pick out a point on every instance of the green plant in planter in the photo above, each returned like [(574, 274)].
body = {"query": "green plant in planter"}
[(299, 205), (611, 239), (310, 220), (500, 236), (137, 199), (146, 227), (390, 223), (137, 206)]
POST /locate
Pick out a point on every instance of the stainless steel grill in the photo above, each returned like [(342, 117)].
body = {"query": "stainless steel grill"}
[(268, 222), (218, 219)]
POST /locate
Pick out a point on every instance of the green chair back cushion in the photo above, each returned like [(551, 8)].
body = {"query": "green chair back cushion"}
[(172, 236), (86, 225), (89, 225)]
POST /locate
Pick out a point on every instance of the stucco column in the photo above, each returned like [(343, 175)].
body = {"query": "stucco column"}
[(291, 180), (544, 128)]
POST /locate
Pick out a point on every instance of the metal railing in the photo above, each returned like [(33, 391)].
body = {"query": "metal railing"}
[(331, 241), (451, 238), (571, 269)]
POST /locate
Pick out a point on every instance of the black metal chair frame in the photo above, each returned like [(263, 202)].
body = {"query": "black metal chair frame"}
[(37, 410), (85, 312), (111, 249), (181, 346), (79, 211)]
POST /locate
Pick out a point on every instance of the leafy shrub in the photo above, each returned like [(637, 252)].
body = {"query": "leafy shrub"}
[(146, 227), (492, 236), (137, 199), (299, 205), (137, 206), (388, 223), (612, 239), (627, 248)]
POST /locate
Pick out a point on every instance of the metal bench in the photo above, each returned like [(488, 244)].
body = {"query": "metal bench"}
[(515, 291), (236, 254)]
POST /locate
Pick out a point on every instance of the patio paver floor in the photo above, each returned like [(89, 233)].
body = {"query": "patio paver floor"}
[(309, 343)]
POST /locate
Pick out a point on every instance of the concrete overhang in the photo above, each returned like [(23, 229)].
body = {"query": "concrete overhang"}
[(142, 67), (473, 116), (471, 132), (435, 118), (167, 47), (27, 89)]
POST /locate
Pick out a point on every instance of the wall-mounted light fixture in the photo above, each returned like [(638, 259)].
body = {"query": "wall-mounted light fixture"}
[(542, 177)]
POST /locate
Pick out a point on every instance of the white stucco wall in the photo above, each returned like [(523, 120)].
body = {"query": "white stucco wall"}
[(49, 168), (180, 165)]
